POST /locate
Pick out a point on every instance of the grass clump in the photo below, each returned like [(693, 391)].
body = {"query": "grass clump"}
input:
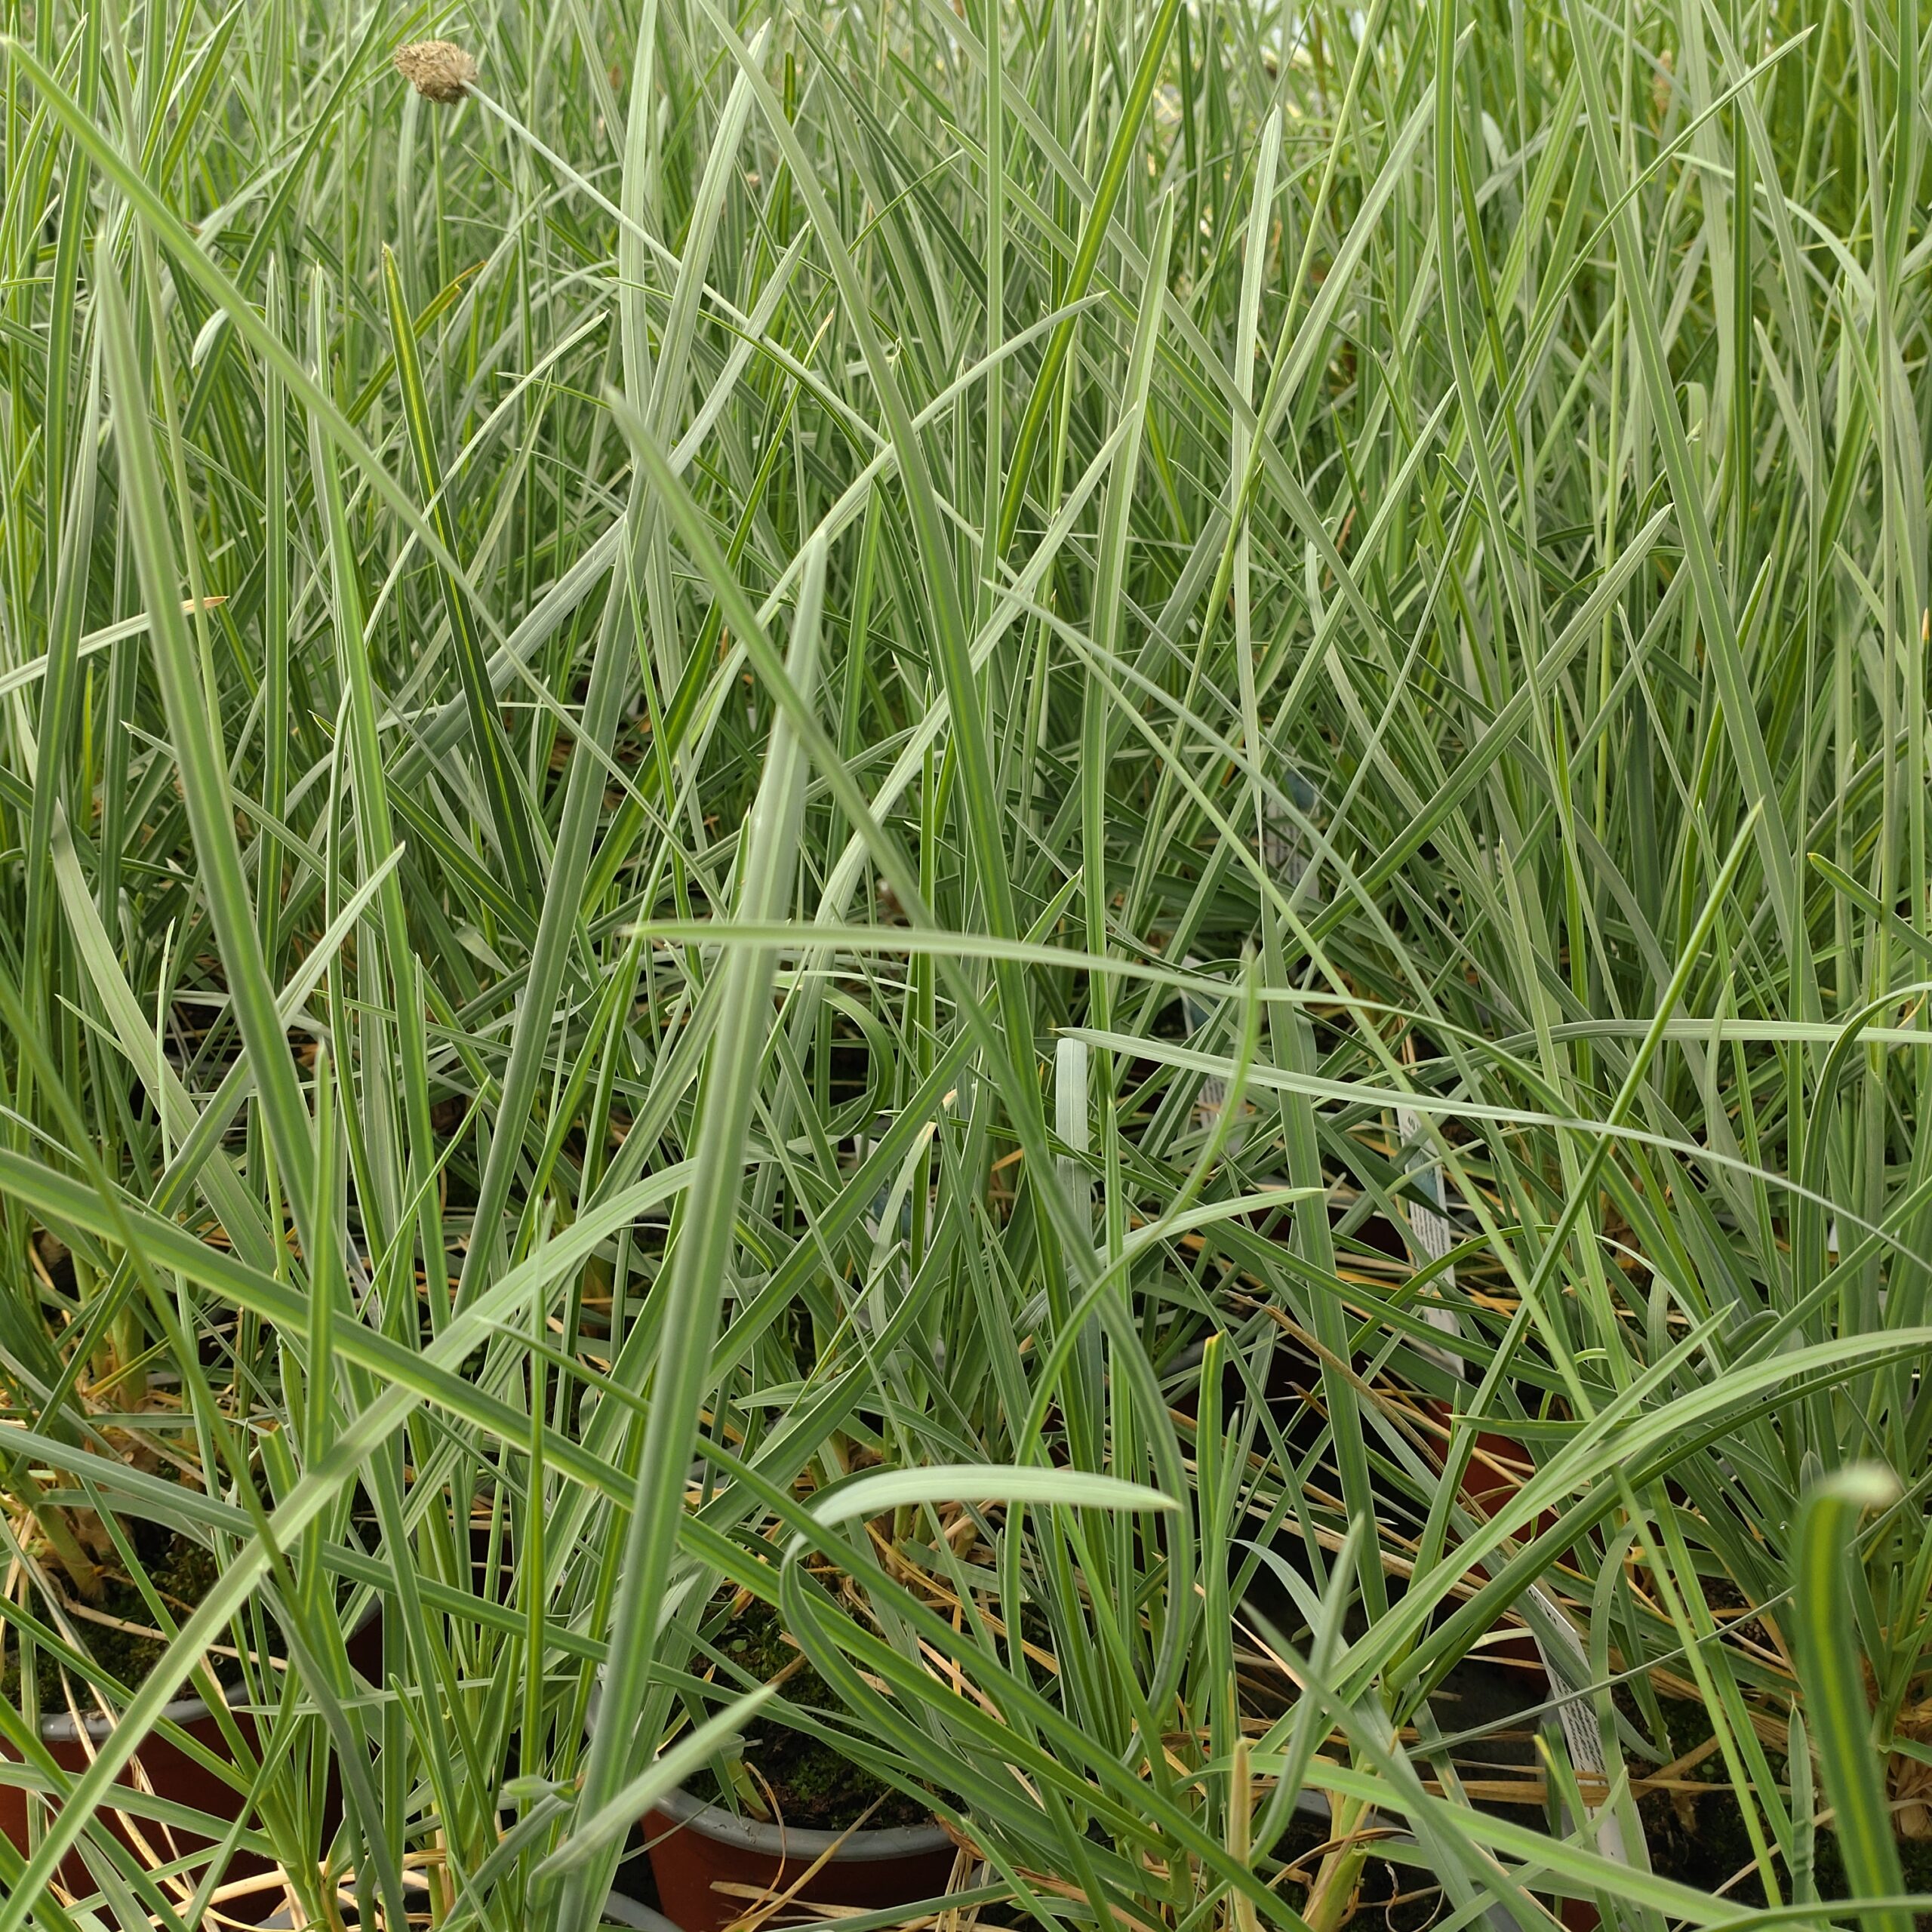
[(1093, 837)]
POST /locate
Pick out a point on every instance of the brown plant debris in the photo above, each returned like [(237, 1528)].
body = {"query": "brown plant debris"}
[(438, 68)]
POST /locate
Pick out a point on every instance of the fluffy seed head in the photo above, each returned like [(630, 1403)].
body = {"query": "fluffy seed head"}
[(439, 68)]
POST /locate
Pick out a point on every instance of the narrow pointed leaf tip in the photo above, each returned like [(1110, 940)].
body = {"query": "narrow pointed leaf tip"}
[(1832, 1668)]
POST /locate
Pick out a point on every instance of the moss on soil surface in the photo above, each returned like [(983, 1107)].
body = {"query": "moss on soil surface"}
[(183, 1572), (1713, 1848), (816, 1787), (1699, 1839)]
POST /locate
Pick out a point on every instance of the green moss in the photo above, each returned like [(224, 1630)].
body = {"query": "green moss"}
[(817, 1787), (183, 1572), (1703, 1841), (1713, 1847)]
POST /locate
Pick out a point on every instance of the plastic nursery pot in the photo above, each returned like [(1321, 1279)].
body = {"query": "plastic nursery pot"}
[(163, 1768), (248, 1889), (1487, 1484), (697, 1848)]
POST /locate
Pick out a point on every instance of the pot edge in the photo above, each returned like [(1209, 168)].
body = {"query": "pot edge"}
[(793, 1842)]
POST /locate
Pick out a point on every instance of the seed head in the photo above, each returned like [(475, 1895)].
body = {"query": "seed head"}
[(439, 68)]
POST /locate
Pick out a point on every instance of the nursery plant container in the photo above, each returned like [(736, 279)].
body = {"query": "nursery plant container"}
[(696, 1846), (162, 1767), (1484, 1488)]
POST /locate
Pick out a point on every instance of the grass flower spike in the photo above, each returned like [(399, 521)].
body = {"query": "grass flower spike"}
[(439, 69)]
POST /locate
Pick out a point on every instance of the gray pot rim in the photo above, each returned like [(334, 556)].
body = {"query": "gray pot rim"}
[(61, 1728), (791, 1842)]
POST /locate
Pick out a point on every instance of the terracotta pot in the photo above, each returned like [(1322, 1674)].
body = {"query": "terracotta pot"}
[(1486, 1488), (168, 1770), (696, 1846), (163, 1768)]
